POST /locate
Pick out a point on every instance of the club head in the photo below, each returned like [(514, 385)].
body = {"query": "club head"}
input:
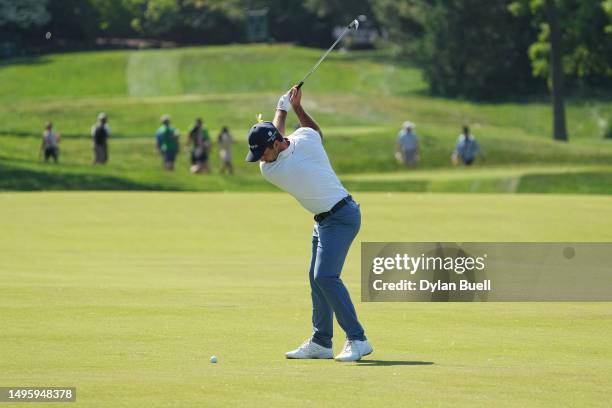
[(354, 25)]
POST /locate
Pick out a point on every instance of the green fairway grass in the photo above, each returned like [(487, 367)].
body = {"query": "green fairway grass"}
[(127, 295), (359, 98)]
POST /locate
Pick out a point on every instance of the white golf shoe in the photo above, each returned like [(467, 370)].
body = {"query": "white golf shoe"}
[(354, 349), (310, 349)]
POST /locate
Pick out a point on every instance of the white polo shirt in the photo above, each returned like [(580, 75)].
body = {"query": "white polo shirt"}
[(304, 171)]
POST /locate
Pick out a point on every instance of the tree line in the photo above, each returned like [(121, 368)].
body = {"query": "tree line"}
[(469, 48)]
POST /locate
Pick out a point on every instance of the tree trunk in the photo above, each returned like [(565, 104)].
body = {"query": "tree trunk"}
[(559, 128)]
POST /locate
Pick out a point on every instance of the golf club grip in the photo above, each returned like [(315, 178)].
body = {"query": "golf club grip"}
[(300, 84)]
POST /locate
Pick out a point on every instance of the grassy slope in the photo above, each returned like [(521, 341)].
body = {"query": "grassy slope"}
[(126, 296), (359, 99)]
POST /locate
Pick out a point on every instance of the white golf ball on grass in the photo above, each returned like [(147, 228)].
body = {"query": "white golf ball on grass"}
[(213, 359)]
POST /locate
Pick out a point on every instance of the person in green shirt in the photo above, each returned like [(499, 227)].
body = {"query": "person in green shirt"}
[(199, 139), (167, 142)]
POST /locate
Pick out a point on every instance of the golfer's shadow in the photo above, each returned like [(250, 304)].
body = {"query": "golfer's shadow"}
[(368, 363)]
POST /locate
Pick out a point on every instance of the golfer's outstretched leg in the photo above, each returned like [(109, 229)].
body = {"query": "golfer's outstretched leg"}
[(322, 312)]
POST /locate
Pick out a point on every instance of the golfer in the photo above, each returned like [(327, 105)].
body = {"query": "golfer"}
[(299, 165)]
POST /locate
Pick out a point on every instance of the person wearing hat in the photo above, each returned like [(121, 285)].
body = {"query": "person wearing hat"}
[(100, 132), (298, 164), (167, 142), (407, 146)]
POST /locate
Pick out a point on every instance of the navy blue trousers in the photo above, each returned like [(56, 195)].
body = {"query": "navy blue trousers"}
[(331, 241)]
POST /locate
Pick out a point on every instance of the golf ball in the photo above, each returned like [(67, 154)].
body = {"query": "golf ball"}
[(48, 35), (213, 359)]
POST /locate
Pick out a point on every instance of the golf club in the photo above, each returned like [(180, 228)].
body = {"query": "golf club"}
[(353, 25)]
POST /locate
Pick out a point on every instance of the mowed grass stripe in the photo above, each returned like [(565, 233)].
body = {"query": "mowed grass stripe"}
[(152, 73)]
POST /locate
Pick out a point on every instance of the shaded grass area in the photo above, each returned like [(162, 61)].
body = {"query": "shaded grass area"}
[(16, 179), (24, 177), (578, 183)]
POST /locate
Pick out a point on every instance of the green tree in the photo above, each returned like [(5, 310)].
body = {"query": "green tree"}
[(18, 22), (467, 48), (292, 21), (475, 49), (195, 21), (405, 23), (210, 22), (556, 54), (155, 17), (585, 29), (574, 41), (24, 13), (340, 12), (116, 17), (606, 5), (75, 20)]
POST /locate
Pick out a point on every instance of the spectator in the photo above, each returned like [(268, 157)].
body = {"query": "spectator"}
[(407, 146), (225, 141), (167, 142), (50, 143), (467, 148), (199, 140), (100, 132)]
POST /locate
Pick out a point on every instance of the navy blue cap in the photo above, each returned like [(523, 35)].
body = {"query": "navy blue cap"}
[(261, 136)]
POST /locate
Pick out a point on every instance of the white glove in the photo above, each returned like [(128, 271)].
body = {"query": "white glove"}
[(283, 103)]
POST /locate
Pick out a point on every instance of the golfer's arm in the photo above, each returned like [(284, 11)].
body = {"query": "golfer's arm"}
[(306, 120), (279, 121)]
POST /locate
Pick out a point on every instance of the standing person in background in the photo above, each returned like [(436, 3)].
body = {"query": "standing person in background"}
[(50, 143), (407, 146), (167, 142), (100, 132), (225, 141), (199, 139), (467, 148)]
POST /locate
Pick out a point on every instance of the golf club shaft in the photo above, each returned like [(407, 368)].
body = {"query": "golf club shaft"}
[(346, 30)]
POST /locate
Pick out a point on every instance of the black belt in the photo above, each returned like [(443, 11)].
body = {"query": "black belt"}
[(321, 216)]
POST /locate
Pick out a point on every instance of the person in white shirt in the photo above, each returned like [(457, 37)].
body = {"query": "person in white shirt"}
[(50, 143), (407, 146), (225, 141), (298, 164)]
